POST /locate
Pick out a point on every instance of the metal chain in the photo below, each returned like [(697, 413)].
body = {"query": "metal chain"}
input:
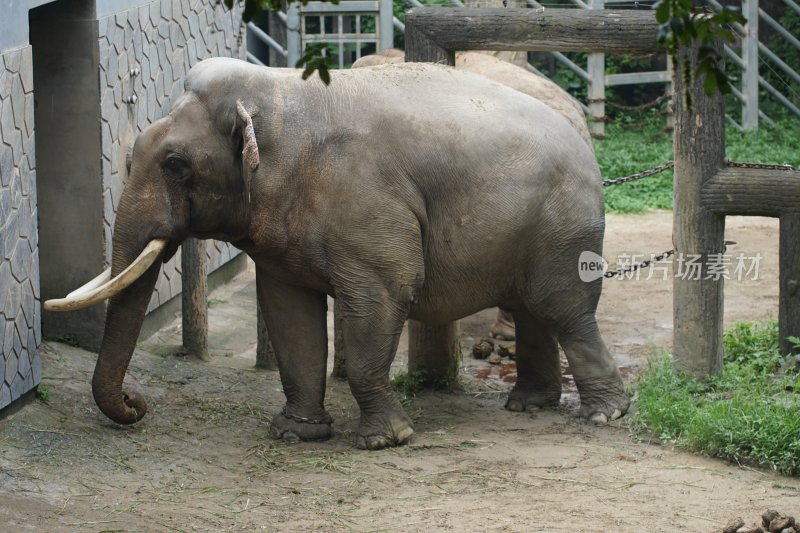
[(633, 268), (656, 170), (760, 166), (304, 420), (639, 175)]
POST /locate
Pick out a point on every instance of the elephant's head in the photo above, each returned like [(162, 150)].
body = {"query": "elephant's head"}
[(188, 175)]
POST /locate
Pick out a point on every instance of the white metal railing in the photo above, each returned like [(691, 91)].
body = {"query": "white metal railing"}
[(749, 62), (348, 26)]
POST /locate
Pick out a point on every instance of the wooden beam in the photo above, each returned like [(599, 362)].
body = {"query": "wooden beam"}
[(697, 232), (551, 30), (194, 297), (752, 192)]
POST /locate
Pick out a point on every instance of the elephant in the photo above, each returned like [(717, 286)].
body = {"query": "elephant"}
[(473, 195), (510, 75), (507, 74)]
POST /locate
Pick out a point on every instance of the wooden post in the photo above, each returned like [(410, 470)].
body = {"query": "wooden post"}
[(194, 297), (596, 67), (339, 357), (750, 66), (420, 48), (435, 351), (699, 154), (789, 289), (265, 354)]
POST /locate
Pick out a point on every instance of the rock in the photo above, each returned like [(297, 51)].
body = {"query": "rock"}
[(750, 529), (482, 349), (779, 523), (733, 526), (494, 359), (768, 516), (507, 350), (789, 530)]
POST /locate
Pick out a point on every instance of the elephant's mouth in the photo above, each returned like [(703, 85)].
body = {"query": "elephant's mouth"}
[(104, 287)]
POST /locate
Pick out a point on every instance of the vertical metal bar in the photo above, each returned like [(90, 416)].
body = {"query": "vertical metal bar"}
[(340, 32), (597, 88), (750, 69), (386, 34), (293, 36)]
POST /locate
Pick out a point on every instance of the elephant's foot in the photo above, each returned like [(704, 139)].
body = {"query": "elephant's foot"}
[(603, 401), (503, 327), (291, 427), (530, 399), (376, 432)]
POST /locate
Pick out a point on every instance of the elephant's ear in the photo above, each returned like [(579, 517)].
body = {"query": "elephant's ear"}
[(250, 146)]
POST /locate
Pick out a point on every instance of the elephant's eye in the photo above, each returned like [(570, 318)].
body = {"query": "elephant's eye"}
[(176, 167)]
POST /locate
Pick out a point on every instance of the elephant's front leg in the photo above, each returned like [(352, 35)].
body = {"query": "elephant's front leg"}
[(371, 327), (296, 321)]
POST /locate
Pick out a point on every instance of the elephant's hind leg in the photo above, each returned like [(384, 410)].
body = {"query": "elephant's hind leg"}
[(602, 392), (538, 365)]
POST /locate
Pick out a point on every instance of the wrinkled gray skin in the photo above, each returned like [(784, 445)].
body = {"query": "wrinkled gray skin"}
[(515, 77), (478, 196)]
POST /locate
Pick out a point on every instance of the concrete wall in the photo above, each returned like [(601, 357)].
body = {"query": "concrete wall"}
[(163, 39), (80, 66), (20, 308)]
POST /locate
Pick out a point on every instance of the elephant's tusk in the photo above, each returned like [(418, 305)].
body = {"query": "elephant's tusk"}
[(100, 289), (96, 282)]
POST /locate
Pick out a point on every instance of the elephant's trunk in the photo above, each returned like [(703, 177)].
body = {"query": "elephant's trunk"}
[(123, 322), (126, 311)]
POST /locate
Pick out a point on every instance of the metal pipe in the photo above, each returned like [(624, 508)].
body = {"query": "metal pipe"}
[(782, 99), (582, 74), (253, 59), (399, 25), (794, 6), (778, 61), (266, 39), (780, 29)]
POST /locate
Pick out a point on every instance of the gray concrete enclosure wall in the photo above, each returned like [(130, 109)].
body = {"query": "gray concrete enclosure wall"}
[(87, 77), (20, 308)]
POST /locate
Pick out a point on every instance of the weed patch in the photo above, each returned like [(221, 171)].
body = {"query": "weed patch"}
[(750, 414)]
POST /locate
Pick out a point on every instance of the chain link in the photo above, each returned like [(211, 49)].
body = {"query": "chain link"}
[(304, 420), (638, 266), (661, 168), (760, 166), (639, 175)]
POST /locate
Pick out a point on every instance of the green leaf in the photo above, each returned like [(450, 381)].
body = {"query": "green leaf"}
[(662, 11)]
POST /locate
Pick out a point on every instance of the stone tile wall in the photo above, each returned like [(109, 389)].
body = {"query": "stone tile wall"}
[(20, 307), (163, 40)]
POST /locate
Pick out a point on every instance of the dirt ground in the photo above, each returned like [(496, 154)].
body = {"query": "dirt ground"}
[(202, 460)]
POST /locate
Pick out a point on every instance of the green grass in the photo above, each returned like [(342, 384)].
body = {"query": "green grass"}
[(408, 384), (632, 146), (750, 414)]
